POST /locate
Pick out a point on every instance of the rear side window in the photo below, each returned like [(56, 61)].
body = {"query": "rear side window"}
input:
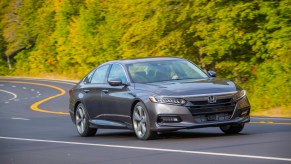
[(88, 77), (100, 74)]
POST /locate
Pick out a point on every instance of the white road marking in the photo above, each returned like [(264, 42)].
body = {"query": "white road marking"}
[(32, 90), (18, 118), (13, 86), (151, 149), (23, 87), (14, 95), (6, 102)]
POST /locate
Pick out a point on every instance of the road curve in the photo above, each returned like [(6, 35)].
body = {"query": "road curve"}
[(35, 128)]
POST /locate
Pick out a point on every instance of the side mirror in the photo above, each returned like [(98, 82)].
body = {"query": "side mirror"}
[(115, 82), (211, 73)]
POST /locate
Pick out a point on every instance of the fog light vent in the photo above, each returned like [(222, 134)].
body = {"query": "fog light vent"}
[(169, 119)]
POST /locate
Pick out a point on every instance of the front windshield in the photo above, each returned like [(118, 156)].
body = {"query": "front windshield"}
[(166, 70)]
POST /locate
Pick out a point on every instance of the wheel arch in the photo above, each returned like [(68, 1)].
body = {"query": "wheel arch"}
[(75, 106), (133, 105)]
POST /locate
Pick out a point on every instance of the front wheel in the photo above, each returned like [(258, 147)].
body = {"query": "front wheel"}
[(141, 123), (232, 129), (82, 122)]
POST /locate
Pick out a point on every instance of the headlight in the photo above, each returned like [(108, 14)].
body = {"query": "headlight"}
[(239, 95), (168, 100)]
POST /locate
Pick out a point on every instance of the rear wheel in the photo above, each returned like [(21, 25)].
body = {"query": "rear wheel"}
[(141, 123), (232, 129), (82, 122)]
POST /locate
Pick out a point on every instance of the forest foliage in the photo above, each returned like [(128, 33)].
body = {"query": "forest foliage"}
[(246, 41)]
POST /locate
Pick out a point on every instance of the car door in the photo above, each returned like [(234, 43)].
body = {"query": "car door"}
[(117, 99), (92, 91)]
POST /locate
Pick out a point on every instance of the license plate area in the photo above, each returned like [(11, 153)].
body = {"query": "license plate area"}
[(212, 117)]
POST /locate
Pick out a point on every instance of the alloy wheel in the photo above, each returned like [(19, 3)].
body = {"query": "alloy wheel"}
[(80, 119), (140, 121)]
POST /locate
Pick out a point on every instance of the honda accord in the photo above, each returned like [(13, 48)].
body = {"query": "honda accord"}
[(154, 95)]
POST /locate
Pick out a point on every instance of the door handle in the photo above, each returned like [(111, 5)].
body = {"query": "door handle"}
[(105, 91), (86, 90)]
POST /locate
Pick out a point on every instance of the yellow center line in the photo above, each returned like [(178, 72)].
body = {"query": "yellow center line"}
[(35, 106), (270, 122)]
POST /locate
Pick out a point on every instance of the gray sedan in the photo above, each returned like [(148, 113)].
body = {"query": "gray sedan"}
[(153, 95)]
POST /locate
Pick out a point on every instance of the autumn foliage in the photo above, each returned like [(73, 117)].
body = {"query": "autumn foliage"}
[(246, 41)]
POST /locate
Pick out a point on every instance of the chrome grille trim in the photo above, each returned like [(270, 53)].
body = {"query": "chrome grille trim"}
[(204, 95)]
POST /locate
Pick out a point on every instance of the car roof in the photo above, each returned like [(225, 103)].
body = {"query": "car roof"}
[(140, 60)]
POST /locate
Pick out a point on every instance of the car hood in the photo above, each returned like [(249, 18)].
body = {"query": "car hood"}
[(188, 87)]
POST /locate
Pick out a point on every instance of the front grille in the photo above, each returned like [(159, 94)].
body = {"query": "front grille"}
[(204, 112)]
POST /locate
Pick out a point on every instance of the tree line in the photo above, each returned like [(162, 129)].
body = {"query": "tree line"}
[(247, 41)]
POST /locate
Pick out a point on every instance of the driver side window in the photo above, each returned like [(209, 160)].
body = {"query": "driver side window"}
[(117, 72)]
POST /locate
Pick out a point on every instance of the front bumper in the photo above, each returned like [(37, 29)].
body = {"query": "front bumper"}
[(189, 119)]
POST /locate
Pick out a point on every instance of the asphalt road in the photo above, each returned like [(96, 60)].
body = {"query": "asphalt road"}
[(34, 128)]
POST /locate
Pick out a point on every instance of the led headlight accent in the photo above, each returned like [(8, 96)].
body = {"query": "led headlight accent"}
[(168, 100), (239, 95)]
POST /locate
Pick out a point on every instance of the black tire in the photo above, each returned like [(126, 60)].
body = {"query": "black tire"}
[(141, 123), (82, 122), (232, 129)]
